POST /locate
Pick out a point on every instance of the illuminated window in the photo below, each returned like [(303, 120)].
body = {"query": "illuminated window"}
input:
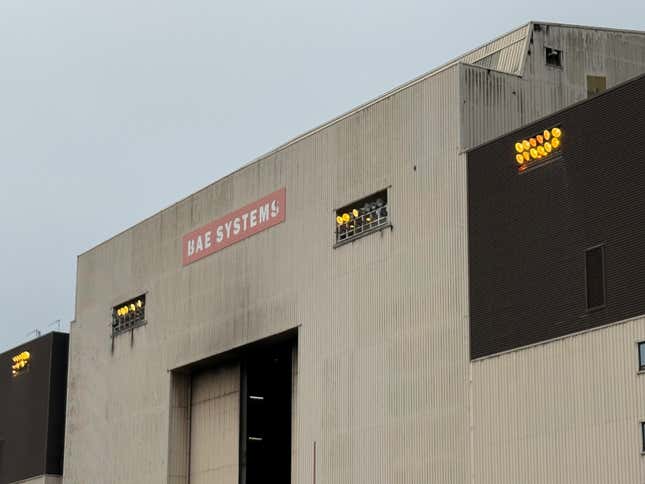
[(20, 363), (362, 217), (129, 315), (595, 277), (553, 57), (535, 149), (641, 356)]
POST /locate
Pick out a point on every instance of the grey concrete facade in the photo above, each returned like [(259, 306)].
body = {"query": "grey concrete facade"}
[(384, 387)]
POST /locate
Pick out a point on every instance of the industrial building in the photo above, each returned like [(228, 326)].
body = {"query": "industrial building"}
[(33, 388), (557, 296), (366, 304)]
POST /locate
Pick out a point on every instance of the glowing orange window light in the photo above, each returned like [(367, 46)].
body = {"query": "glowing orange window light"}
[(537, 147)]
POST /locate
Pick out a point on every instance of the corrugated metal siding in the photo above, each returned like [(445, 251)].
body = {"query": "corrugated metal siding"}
[(214, 426), (507, 60), (179, 428), (494, 103), (295, 417), (504, 54), (378, 344), (26, 416), (565, 412), (378, 411), (528, 234), (383, 323)]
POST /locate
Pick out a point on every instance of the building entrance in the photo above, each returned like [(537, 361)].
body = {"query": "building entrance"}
[(265, 417)]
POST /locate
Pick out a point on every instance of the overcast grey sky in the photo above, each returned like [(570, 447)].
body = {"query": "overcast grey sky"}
[(113, 110)]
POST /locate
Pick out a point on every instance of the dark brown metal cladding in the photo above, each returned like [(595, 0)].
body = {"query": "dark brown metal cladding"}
[(32, 410), (57, 404), (528, 232)]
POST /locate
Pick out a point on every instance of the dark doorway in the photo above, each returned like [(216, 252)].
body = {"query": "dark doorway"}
[(265, 417)]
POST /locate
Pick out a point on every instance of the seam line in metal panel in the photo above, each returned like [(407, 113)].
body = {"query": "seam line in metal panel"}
[(558, 338)]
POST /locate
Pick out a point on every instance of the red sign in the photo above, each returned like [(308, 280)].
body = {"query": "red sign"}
[(234, 227)]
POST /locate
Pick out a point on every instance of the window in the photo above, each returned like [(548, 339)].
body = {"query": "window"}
[(362, 217), (20, 363), (595, 277), (641, 356), (538, 148), (129, 315), (553, 57), (642, 437), (596, 85)]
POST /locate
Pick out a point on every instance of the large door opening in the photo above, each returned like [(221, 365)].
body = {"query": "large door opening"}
[(265, 416), (214, 424)]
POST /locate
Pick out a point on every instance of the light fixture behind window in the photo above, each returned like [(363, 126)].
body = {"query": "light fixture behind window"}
[(362, 217), (536, 148), (129, 315), (20, 363)]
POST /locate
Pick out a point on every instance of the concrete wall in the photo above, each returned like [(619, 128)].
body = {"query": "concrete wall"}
[(383, 367), (564, 412)]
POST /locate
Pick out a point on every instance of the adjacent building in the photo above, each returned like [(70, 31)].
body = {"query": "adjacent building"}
[(337, 312), (33, 390), (557, 296)]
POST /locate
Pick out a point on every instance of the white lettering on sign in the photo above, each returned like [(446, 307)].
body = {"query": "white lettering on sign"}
[(235, 227)]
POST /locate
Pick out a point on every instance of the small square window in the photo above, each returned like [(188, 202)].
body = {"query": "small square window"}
[(595, 277), (553, 57), (641, 356), (596, 85), (363, 217), (129, 315)]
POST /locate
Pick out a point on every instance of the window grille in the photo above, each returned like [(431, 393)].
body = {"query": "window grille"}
[(129, 315), (361, 218)]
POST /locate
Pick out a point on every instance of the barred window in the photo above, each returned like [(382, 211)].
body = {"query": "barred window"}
[(129, 315), (362, 217)]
